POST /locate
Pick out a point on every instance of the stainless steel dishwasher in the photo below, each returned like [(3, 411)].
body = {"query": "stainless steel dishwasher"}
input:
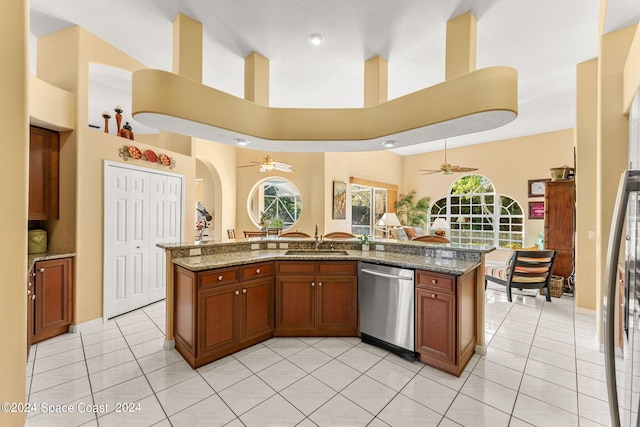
[(386, 299)]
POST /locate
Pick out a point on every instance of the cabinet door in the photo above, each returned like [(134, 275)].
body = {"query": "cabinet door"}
[(296, 303), (217, 319), (53, 290), (43, 174), (435, 325), (257, 311), (337, 303)]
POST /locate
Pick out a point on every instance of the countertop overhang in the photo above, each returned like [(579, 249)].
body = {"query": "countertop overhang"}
[(448, 259)]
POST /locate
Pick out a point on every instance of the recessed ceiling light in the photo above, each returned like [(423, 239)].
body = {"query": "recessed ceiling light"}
[(390, 143), (242, 142), (316, 39)]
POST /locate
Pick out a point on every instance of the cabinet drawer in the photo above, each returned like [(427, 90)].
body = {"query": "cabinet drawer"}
[(435, 281), (256, 271), (339, 268), (218, 277), (296, 267)]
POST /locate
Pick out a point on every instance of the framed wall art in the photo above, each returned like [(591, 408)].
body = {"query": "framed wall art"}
[(536, 210), (339, 200), (536, 187)]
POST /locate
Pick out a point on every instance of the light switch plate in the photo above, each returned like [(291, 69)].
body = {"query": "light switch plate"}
[(195, 252), (446, 254), (271, 246), (284, 246), (255, 246), (380, 248)]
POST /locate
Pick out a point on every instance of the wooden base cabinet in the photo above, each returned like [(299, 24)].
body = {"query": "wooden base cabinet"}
[(316, 299), (445, 319), (221, 311), (50, 300)]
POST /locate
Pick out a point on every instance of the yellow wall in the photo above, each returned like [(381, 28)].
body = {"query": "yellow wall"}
[(380, 166), (509, 164), (220, 160), (612, 142), (586, 158), (82, 161), (14, 37)]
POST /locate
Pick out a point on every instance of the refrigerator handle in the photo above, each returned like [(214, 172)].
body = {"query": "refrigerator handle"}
[(628, 182)]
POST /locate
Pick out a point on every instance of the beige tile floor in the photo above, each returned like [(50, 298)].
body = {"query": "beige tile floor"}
[(542, 368)]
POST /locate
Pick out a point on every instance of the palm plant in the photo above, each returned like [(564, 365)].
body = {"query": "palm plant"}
[(412, 213)]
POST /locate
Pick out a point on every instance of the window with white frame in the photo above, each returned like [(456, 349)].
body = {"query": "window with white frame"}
[(478, 215)]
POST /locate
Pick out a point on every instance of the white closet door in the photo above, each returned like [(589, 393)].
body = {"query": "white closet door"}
[(165, 198), (142, 208)]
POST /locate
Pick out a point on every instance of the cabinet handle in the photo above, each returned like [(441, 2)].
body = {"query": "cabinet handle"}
[(621, 281), (434, 281), (320, 284), (237, 292), (434, 296), (219, 277), (33, 297), (28, 291), (30, 284), (257, 271), (313, 283), (41, 269), (244, 291)]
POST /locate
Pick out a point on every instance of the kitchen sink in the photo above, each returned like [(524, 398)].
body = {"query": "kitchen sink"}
[(315, 252)]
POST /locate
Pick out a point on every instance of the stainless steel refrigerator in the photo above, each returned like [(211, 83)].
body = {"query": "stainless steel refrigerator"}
[(623, 370)]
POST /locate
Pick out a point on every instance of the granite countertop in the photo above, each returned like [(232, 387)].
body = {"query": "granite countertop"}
[(32, 258), (442, 265)]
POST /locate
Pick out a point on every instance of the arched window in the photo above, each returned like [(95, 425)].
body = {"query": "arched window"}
[(478, 215)]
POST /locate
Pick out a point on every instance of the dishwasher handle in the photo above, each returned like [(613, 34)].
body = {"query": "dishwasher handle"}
[(390, 276)]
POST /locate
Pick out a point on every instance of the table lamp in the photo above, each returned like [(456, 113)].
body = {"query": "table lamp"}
[(389, 219), (440, 225)]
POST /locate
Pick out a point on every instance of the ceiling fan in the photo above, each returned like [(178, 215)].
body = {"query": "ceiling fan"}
[(268, 164), (446, 168)]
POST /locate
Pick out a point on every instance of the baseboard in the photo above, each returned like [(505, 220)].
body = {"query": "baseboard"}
[(169, 344), (481, 349), (86, 325), (587, 311)]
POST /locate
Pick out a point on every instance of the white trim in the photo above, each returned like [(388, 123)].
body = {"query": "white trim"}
[(481, 350), (169, 344), (587, 311)]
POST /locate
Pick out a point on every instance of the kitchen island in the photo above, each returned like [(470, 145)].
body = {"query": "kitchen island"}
[(252, 290)]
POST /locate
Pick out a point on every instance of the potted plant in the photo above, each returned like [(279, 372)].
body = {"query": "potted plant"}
[(364, 241), (264, 220), (276, 223), (412, 213)]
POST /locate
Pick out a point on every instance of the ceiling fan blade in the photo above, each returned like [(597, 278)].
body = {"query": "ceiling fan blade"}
[(462, 169), (282, 167), (429, 171), (249, 166)]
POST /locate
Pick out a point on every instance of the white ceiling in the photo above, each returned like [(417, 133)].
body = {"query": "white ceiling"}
[(543, 40)]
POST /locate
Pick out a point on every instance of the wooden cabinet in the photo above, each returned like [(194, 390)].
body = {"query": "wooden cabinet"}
[(44, 149), (51, 301), (559, 224), (445, 319), (316, 298), (221, 311)]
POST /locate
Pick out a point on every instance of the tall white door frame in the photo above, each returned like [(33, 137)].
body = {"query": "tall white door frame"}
[(142, 207)]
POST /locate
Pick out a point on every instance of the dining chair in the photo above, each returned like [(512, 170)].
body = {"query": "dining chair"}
[(339, 235), (248, 234), (525, 270), (431, 239), (294, 234)]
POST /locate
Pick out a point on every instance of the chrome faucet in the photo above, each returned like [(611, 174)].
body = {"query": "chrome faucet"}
[(318, 240)]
